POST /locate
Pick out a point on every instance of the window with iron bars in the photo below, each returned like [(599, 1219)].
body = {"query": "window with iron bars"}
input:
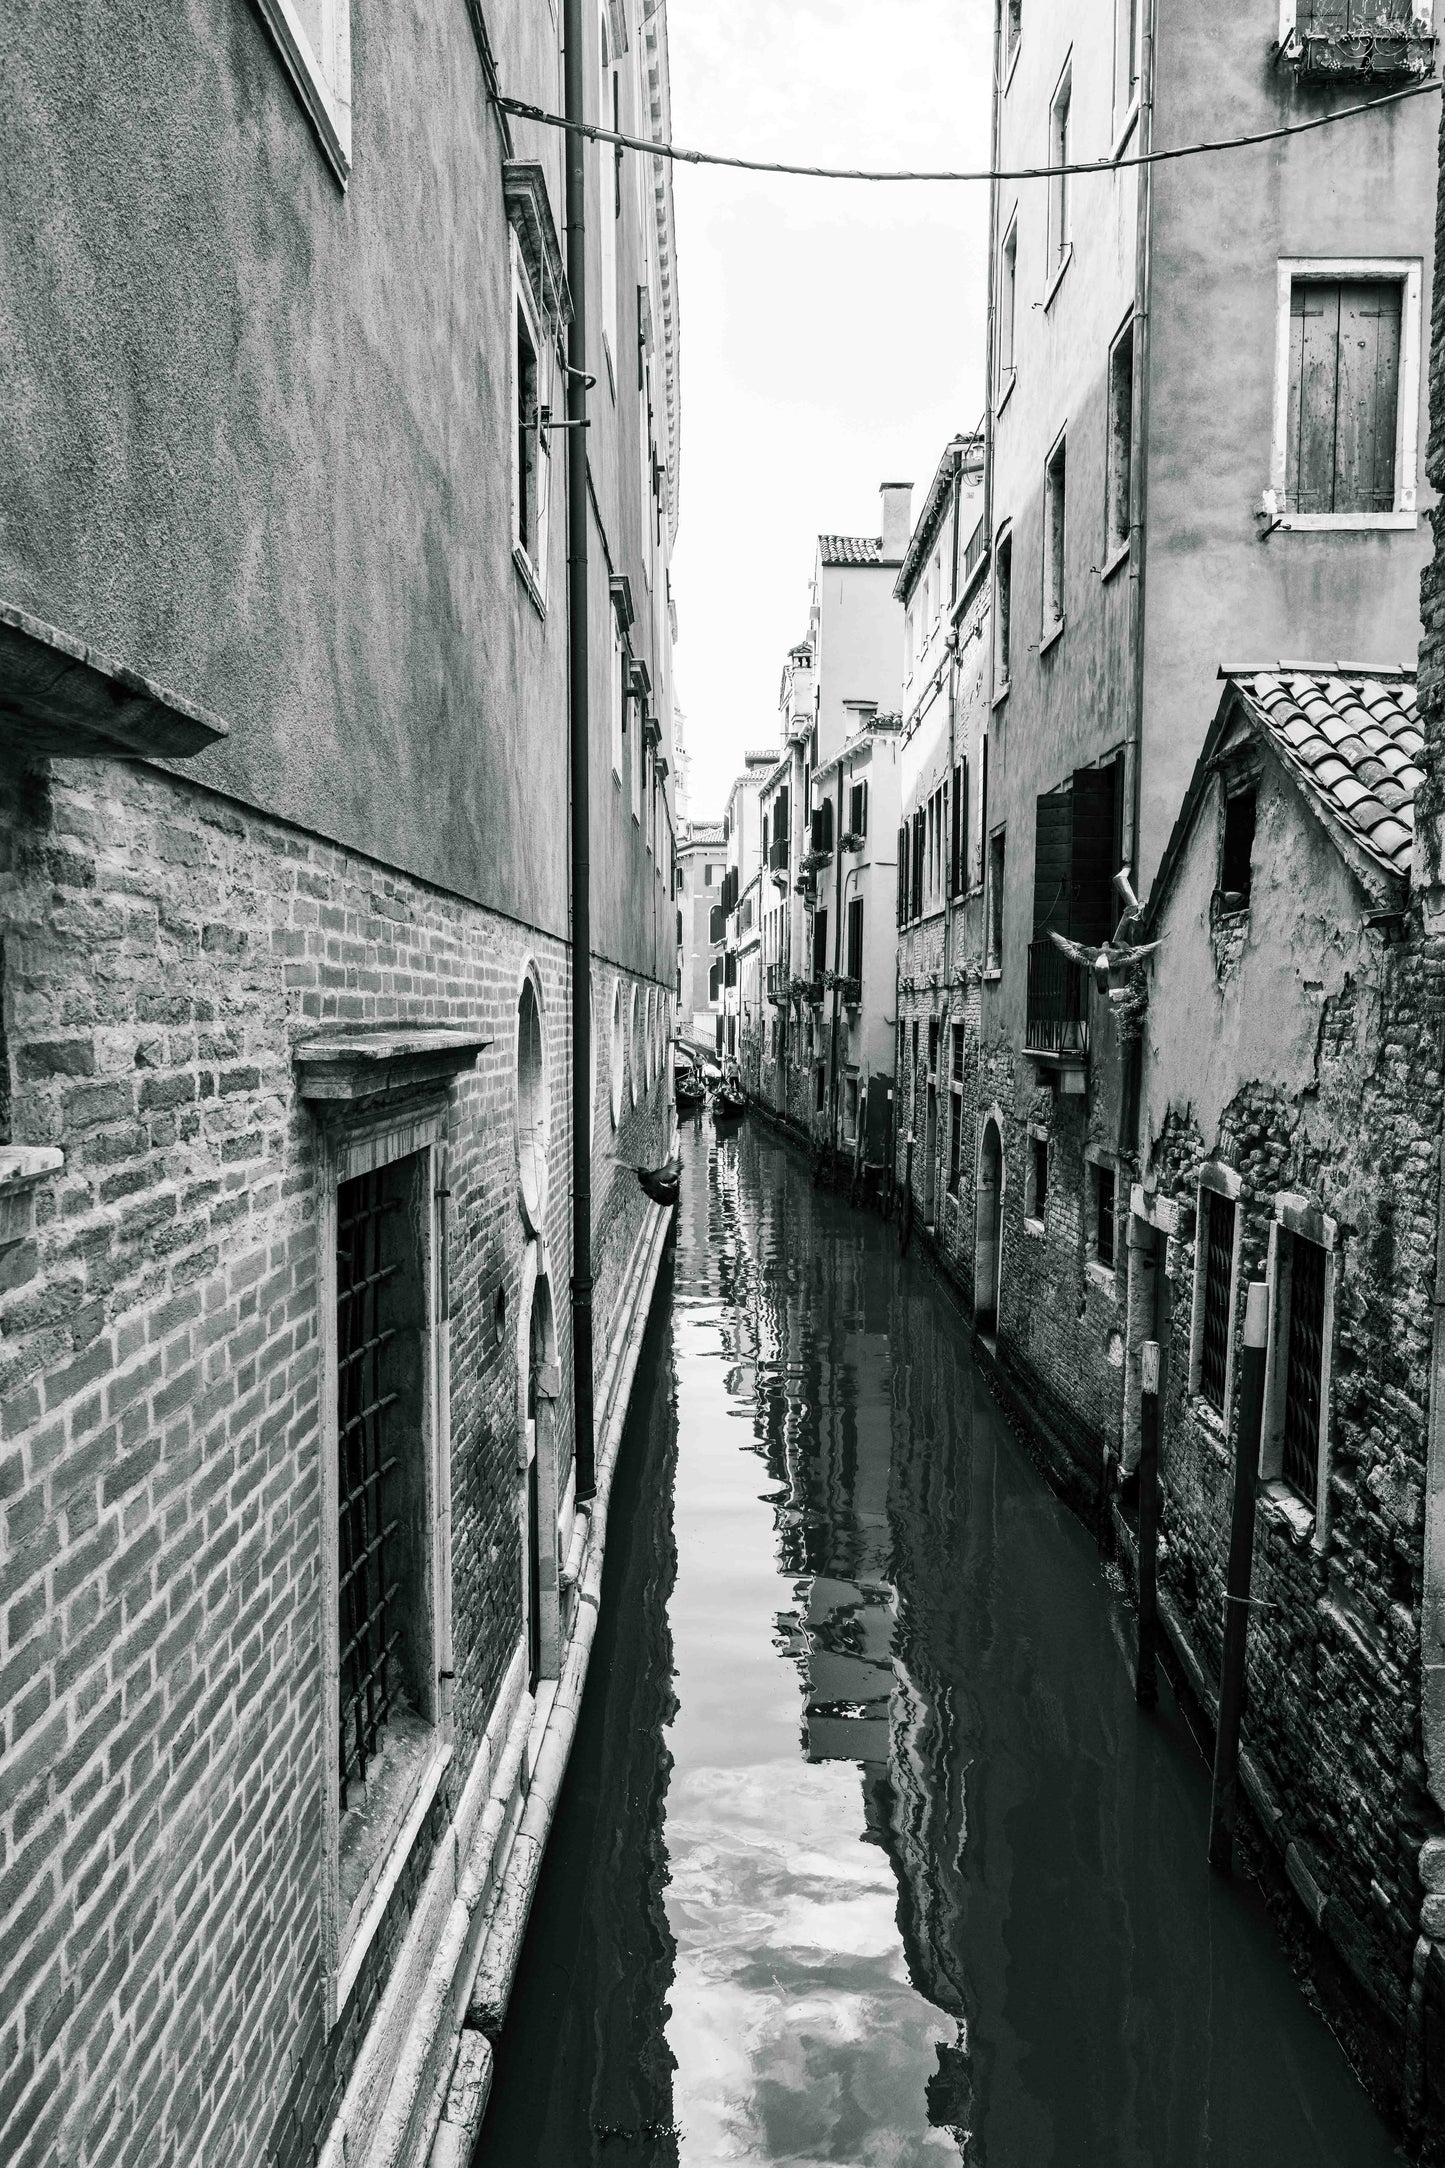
[(1217, 1231), (1304, 1367), (381, 1366)]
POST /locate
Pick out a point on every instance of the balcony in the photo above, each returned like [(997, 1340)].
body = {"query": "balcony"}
[(777, 982), (1359, 40), (778, 857), (1057, 1029)]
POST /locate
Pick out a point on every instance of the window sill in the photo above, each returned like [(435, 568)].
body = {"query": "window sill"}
[(377, 1838), (1118, 556), (1345, 523), (1279, 1504), (1057, 279), (992, 972), (1051, 639), (1034, 1227), (1121, 141), (529, 579), (1102, 1276), (1003, 692), (1007, 380)]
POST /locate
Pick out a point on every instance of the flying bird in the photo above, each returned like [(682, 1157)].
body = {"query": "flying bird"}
[(661, 1183), (1109, 963)]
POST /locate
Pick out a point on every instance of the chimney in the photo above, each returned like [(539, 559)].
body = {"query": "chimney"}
[(897, 521)]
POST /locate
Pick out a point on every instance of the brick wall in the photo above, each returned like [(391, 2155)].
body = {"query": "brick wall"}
[(160, 1793)]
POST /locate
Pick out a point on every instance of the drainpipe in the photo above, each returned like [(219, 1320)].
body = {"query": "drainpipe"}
[(1432, 1596), (951, 902), (579, 754), (1139, 447), (989, 398)]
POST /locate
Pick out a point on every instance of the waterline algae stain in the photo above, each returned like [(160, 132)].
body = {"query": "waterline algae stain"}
[(866, 1855)]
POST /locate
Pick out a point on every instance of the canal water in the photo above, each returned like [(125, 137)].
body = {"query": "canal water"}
[(866, 1855)]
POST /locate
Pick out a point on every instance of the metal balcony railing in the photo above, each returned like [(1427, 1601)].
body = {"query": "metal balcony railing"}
[(1057, 1022)]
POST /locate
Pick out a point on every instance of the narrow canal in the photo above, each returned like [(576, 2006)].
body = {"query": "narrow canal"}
[(866, 1855)]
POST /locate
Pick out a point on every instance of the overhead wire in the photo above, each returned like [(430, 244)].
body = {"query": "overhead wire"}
[(522, 110)]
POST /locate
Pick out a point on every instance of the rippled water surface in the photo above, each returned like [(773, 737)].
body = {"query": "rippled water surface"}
[(866, 1855)]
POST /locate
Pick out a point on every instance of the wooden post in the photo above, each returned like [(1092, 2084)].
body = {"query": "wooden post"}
[(1146, 1684), (1224, 1796)]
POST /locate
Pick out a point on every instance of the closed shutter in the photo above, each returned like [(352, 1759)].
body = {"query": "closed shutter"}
[(820, 943), (781, 828), (1053, 863), (1344, 373), (715, 924), (902, 874), (1095, 852), (855, 938)]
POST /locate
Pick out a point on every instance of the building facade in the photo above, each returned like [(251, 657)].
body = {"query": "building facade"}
[(1204, 444), (701, 865), (297, 1505)]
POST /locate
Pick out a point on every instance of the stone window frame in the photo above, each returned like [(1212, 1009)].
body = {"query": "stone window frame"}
[(1215, 1179), (1035, 1222), (361, 1146), (1294, 1215), (531, 565), (322, 79), (1409, 272), (617, 1055), (1103, 1276), (534, 1094)]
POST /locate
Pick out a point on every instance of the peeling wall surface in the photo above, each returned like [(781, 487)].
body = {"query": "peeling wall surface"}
[(1248, 999)]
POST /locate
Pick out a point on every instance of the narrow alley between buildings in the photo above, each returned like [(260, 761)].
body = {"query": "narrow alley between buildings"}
[(865, 1853)]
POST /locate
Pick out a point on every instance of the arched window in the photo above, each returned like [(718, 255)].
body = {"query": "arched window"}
[(618, 1052), (532, 1107)]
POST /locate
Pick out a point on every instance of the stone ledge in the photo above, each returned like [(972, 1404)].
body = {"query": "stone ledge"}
[(376, 1061), (60, 696), (22, 1166)]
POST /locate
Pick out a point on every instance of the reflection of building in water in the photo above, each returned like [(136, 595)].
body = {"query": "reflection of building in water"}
[(848, 1433)]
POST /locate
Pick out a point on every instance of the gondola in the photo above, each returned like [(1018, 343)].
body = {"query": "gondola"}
[(728, 1104)]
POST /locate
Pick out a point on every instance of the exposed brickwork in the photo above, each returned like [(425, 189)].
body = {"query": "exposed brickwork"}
[(160, 1795)]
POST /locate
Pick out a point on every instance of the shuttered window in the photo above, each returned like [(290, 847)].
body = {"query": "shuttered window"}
[(820, 943), (1076, 854), (902, 874), (855, 939), (1344, 374)]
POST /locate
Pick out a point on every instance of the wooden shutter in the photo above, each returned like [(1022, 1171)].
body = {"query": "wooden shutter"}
[(1053, 863), (1314, 339), (902, 874), (1369, 379), (820, 943), (855, 938), (1095, 852)]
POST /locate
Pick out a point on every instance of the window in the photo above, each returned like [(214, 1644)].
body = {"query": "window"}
[(1347, 394), (527, 465), (918, 855), (637, 1020), (1003, 562), (1236, 850), (1060, 191), (314, 37), (1008, 289), (955, 1140), (1216, 1256), (1119, 450), (1103, 1228), (902, 873), (386, 1461), (608, 199), (820, 1089), (820, 943), (958, 1053), (915, 1047), (1302, 1263), (1055, 478), (933, 1045), (618, 1053), (619, 702), (532, 1109), (855, 940), (1077, 848), (1036, 1183), (958, 842), (993, 903), (858, 809), (850, 1108), (1127, 15)]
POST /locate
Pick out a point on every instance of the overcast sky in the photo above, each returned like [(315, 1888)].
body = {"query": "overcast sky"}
[(832, 332)]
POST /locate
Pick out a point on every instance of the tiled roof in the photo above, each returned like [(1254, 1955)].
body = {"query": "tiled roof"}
[(1355, 739), (851, 549)]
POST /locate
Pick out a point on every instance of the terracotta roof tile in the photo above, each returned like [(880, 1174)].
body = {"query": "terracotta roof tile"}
[(1355, 741), (851, 549)]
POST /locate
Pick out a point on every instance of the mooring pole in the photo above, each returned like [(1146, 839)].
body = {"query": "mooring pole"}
[(1224, 1795), (1146, 1684)]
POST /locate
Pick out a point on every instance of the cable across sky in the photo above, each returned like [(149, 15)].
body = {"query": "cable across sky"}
[(680, 155)]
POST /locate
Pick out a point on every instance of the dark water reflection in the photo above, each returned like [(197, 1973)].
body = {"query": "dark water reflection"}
[(866, 1855)]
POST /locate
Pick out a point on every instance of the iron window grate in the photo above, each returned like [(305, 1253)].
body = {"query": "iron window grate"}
[(1304, 1367), (368, 1479), (1218, 1266)]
